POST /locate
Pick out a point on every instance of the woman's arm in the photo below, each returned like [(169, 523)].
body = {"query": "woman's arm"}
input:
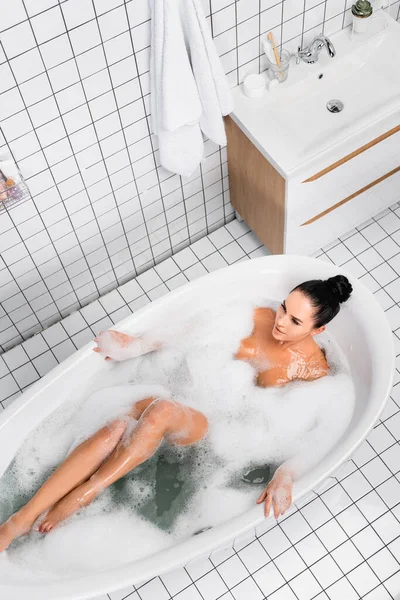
[(331, 423), (115, 345)]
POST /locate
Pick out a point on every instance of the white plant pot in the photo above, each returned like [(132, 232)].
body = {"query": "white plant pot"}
[(361, 24)]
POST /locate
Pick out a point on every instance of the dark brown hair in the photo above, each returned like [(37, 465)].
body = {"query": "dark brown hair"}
[(326, 296)]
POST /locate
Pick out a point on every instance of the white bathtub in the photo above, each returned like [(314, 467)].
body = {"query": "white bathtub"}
[(364, 335)]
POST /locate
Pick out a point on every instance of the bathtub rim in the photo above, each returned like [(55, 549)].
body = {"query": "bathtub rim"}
[(221, 535)]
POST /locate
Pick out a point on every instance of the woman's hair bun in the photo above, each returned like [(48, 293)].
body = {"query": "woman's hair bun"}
[(340, 287)]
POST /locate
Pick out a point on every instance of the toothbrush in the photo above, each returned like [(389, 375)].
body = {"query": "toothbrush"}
[(271, 39)]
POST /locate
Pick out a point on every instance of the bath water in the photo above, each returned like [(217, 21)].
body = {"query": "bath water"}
[(179, 491)]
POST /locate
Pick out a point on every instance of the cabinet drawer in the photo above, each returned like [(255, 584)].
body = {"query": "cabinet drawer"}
[(307, 238), (322, 191)]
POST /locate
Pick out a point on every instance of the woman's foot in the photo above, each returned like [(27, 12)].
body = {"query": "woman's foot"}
[(15, 526), (78, 498)]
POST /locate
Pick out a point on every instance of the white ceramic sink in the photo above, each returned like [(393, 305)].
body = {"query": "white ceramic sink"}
[(293, 124)]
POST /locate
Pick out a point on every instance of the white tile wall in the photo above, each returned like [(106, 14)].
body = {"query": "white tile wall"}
[(74, 112), (75, 115)]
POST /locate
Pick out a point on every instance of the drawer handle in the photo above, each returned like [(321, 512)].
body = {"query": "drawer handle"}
[(345, 159), (364, 189)]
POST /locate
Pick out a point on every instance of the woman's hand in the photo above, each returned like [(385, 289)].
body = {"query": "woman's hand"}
[(116, 345), (278, 493)]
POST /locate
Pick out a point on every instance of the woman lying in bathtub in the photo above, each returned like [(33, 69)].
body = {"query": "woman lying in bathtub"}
[(283, 340)]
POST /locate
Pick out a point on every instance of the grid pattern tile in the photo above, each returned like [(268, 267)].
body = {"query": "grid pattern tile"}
[(340, 542), (74, 95)]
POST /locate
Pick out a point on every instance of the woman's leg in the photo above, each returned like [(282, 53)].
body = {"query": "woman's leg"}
[(178, 424), (82, 463), (76, 469)]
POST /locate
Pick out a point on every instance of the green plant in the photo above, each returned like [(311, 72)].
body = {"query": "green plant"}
[(362, 8)]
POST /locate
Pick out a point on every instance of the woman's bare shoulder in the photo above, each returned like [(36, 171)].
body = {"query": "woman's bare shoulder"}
[(263, 313), (316, 367), (313, 351), (319, 358), (308, 362)]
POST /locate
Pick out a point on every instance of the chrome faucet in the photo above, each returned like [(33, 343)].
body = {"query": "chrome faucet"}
[(310, 54)]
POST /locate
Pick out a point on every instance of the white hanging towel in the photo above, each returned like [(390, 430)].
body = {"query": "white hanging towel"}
[(212, 85), (189, 91), (175, 105)]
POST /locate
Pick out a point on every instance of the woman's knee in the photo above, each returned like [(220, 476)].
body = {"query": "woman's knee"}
[(161, 410), (181, 425), (200, 429), (114, 431), (202, 425), (194, 429)]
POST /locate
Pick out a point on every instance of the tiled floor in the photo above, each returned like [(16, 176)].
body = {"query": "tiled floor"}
[(342, 543)]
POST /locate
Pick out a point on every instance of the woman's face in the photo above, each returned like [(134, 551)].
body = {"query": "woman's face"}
[(295, 319)]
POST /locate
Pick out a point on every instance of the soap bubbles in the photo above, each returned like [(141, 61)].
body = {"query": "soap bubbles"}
[(248, 427)]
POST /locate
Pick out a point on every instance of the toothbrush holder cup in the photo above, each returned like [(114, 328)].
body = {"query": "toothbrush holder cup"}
[(280, 73)]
